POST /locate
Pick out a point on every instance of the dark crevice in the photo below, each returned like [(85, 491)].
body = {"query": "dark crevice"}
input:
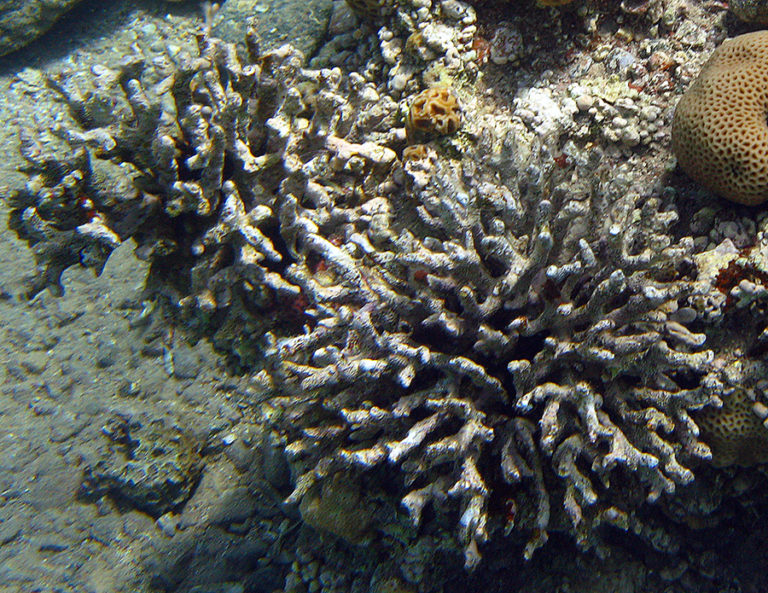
[(271, 230), (529, 346)]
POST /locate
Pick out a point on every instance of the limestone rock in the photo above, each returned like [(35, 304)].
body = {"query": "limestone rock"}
[(21, 21)]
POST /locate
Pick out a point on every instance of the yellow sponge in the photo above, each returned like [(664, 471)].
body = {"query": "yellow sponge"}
[(719, 132)]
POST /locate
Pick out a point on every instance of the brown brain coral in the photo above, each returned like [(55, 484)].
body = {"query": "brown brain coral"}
[(735, 432), (719, 132), (433, 112)]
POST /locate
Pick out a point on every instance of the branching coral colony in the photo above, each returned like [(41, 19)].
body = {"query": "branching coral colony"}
[(516, 344)]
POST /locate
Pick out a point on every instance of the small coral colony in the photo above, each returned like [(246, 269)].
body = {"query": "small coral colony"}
[(481, 314)]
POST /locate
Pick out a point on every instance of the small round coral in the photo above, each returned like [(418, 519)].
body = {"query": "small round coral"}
[(434, 112), (719, 132)]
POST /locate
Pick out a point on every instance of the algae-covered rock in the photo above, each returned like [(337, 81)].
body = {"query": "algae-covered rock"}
[(147, 465), (750, 11), (338, 509), (21, 21)]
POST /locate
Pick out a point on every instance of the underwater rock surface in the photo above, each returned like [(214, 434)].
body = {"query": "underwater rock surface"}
[(299, 22), (21, 21), (148, 464)]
